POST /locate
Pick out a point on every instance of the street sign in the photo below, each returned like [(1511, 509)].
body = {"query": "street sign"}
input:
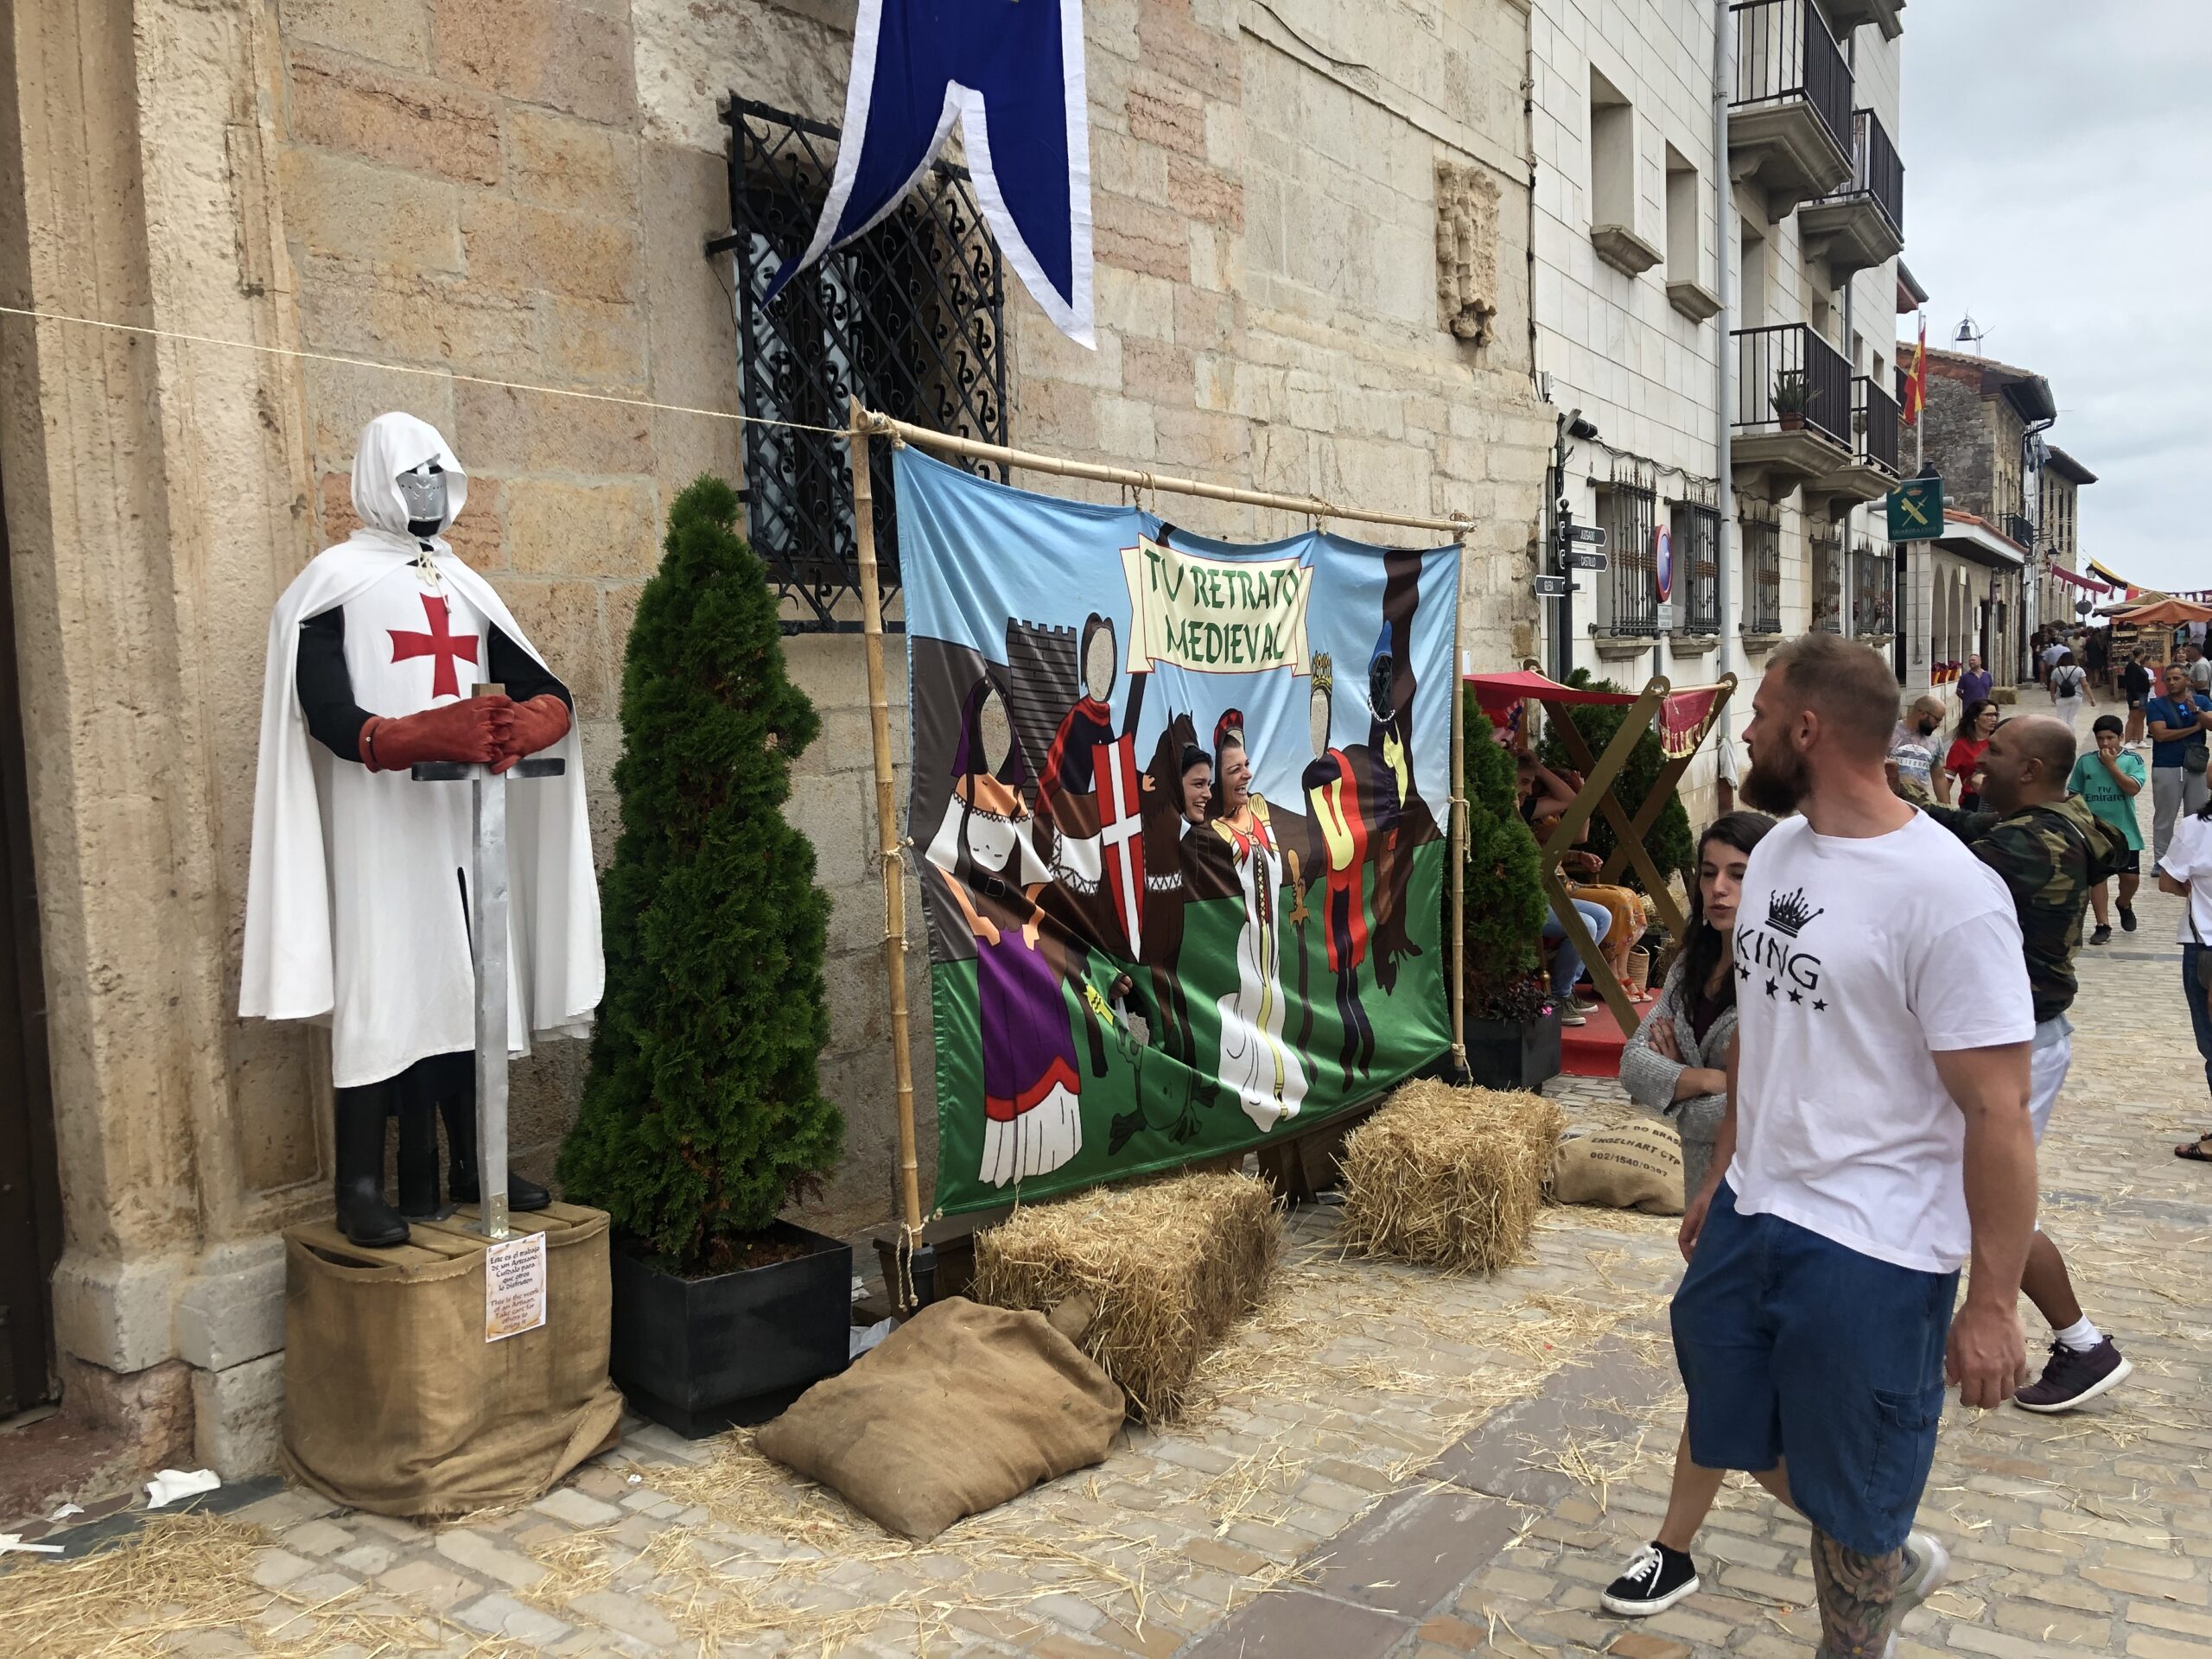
[(1662, 563), (1553, 587), (2082, 607), (1575, 559), (1589, 535), (1916, 509)]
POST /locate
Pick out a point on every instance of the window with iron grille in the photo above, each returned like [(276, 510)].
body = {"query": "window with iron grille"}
[(909, 318), (1629, 511), (1827, 578), (1697, 567), (1762, 575), (1873, 606)]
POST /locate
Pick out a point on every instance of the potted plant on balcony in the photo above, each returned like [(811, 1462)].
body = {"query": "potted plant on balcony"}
[(1792, 396), (703, 1118), (1512, 1027)]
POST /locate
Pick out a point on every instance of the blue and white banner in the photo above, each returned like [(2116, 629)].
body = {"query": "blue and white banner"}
[(1011, 73)]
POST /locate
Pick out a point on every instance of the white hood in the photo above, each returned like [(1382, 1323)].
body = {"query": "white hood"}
[(392, 444)]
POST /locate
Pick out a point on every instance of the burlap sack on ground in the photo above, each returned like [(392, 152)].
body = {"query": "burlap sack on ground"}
[(396, 1404), (1636, 1166), (959, 1409)]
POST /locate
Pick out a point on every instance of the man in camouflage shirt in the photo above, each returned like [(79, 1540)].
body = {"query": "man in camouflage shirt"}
[(2051, 849)]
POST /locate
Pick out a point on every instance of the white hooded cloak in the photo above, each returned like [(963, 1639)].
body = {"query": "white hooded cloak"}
[(354, 903)]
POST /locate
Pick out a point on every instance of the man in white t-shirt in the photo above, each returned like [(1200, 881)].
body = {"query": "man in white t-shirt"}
[(1877, 1138), (1911, 765), (2186, 871)]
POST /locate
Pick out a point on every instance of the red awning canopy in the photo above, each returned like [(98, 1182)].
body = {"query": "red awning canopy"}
[(1682, 720), (2064, 575)]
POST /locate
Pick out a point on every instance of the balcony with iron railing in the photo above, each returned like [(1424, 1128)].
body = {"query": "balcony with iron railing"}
[(1790, 107), (1871, 470), (1861, 222), (1886, 14), (1793, 401)]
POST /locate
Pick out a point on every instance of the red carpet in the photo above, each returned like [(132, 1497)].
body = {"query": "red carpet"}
[(1594, 1050)]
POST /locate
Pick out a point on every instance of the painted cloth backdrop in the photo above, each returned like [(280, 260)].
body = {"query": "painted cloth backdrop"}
[(1130, 971)]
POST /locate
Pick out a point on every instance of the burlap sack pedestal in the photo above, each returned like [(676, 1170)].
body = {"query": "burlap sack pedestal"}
[(1634, 1165), (396, 1404)]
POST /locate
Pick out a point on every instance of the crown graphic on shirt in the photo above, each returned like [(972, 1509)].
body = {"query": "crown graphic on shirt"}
[(1786, 912)]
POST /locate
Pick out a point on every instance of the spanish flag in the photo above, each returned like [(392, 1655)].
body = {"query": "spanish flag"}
[(1916, 384)]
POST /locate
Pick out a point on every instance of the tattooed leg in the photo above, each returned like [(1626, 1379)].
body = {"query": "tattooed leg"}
[(1857, 1597)]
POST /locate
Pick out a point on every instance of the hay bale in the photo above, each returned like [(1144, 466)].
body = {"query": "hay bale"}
[(1449, 1178), (1169, 1266)]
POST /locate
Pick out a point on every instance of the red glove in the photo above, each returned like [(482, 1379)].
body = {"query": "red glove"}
[(473, 730), (538, 724)]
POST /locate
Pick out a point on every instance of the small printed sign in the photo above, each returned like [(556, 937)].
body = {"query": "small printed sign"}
[(1553, 587), (514, 1286), (1579, 559), (1662, 563)]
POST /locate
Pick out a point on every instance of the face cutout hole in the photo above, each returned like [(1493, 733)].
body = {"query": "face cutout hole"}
[(1317, 720), (997, 733), (1098, 663)]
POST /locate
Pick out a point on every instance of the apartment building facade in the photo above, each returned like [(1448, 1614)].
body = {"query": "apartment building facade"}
[(1634, 319)]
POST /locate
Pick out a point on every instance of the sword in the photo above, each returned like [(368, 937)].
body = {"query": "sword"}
[(487, 950)]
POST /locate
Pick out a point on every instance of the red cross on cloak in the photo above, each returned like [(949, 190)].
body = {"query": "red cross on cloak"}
[(443, 648)]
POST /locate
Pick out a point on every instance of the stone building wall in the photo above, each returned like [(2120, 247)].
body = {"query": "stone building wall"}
[(519, 190)]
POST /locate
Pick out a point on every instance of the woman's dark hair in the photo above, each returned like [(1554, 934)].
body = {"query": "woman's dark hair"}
[(1192, 756), (2106, 723), (1970, 714), (1701, 951)]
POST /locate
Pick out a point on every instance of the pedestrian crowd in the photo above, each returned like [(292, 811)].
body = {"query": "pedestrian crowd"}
[(1861, 1039)]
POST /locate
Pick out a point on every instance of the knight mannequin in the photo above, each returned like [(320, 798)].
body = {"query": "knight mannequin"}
[(357, 901)]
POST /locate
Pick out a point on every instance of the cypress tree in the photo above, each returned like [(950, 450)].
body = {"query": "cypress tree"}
[(703, 1115), (1505, 906)]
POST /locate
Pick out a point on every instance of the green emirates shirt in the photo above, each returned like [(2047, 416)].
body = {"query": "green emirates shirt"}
[(2094, 785)]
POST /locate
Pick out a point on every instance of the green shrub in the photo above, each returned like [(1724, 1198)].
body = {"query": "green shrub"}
[(1505, 906), (703, 1115), (1667, 841)]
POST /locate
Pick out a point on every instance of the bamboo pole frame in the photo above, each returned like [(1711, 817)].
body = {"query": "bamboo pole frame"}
[(886, 827), (866, 423)]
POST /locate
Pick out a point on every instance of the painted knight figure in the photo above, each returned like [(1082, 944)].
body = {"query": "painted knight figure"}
[(358, 900)]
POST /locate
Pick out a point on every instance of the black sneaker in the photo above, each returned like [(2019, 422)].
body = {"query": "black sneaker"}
[(2102, 934), (1656, 1578), (2072, 1379), (2127, 919)]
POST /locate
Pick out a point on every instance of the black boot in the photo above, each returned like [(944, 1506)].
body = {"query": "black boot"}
[(460, 1113), (363, 1216), (418, 1156)]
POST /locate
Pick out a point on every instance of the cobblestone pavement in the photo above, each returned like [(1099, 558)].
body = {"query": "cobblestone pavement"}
[(1391, 1462)]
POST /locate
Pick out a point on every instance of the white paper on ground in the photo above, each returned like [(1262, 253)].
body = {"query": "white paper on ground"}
[(14, 1541), (170, 1484), (66, 1511), (864, 1339)]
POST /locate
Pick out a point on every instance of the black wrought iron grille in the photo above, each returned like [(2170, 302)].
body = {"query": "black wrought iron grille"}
[(910, 318), (1629, 508), (1697, 566), (1762, 575), (1874, 604), (1827, 577)]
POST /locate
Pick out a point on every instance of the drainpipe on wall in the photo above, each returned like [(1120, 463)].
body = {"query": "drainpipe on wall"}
[(1723, 196)]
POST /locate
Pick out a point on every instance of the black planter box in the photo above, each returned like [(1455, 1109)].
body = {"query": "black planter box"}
[(700, 1355), (1502, 1055)]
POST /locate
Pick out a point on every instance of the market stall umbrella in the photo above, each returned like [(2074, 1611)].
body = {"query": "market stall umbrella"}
[(1682, 718), (2165, 614)]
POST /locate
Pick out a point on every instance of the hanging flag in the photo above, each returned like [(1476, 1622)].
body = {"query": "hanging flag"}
[(1011, 73), (1916, 384)]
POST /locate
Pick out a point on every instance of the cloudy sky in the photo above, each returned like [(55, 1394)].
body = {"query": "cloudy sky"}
[(2058, 181)]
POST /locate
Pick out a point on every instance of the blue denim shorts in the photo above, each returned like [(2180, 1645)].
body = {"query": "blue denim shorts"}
[(1794, 1347)]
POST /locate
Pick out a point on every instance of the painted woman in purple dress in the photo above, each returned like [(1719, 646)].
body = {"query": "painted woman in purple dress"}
[(1033, 1116)]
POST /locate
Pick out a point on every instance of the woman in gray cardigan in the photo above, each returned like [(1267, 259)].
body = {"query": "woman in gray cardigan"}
[(1676, 1066)]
